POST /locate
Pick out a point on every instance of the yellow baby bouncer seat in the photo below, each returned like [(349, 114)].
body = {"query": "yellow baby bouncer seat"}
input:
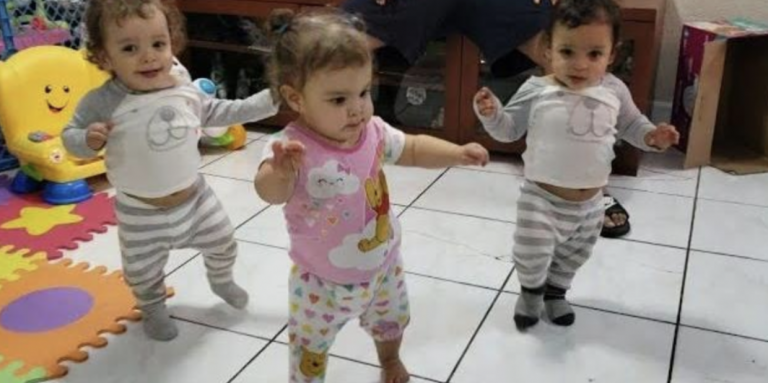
[(40, 88)]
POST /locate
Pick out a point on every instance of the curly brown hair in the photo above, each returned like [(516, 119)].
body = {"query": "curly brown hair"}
[(101, 12), (575, 13), (310, 41)]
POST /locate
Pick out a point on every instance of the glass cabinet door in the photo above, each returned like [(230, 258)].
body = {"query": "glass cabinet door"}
[(422, 98), (227, 44), (502, 86)]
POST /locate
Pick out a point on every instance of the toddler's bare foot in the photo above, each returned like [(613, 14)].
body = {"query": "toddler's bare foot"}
[(394, 372)]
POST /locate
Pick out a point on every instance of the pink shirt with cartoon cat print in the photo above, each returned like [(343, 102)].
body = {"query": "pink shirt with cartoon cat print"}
[(340, 224)]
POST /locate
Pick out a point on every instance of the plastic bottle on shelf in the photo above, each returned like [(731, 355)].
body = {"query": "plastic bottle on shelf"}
[(218, 76), (243, 89)]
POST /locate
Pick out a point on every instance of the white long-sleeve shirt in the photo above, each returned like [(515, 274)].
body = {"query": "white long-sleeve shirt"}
[(571, 134), (152, 149)]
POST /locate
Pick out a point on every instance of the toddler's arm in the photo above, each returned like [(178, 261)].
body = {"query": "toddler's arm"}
[(426, 151), (276, 177), (87, 131), (507, 124), (431, 152), (636, 128), (218, 112)]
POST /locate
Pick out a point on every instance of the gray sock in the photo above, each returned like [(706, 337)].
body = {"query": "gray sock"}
[(559, 311), (232, 294), (528, 307), (157, 322)]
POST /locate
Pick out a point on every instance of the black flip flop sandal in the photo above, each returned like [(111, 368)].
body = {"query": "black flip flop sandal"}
[(612, 206)]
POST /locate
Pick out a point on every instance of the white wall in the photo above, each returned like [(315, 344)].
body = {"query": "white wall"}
[(680, 11)]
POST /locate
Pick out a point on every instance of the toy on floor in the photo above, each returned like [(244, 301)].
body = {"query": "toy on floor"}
[(231, 137), (39, 91), (50, 313)]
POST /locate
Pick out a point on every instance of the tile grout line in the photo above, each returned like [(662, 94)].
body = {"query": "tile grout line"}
[(461, 283), (725, 333), (258, 354), (425, 190), (460, 214), (609, 186), (734, 203), (226, 177), (480, 325), (229, 152), (675, 337), (742, 257), (252, 242), (230, 331), (482, 170)]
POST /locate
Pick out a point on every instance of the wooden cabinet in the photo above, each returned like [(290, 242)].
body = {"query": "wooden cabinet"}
[(434, 96)]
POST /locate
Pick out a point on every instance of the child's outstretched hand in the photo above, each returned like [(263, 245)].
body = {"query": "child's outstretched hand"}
[(664, 136), (474, 154), (484, 99), (288, 156), (97, 133)]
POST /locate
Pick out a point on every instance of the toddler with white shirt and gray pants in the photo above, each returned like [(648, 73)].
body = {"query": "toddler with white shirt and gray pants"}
[(162, 201), (571, 134)]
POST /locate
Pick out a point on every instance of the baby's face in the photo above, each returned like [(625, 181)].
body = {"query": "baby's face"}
[(138, 51), (580, 56), (337, 103)]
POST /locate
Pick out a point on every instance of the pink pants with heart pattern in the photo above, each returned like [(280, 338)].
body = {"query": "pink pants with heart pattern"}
[(319, 309)]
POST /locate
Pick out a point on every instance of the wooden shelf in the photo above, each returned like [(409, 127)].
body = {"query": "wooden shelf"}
[(228, 47)]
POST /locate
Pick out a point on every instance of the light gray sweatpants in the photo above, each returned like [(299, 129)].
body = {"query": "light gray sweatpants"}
[(554, 237), (148, 233)]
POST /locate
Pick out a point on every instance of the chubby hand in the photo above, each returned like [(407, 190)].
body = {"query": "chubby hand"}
[(288, 156), (473, 154), (664, 136), (97, 134), (486, 105), (381, 2)]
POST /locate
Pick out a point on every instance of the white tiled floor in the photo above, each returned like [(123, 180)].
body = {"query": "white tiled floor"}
[(632, 323)]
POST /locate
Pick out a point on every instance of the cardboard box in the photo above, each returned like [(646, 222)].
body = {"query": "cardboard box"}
[(721, 95)]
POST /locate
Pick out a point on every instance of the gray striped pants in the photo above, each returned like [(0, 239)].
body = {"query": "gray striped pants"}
[(147, 234), (554, 237)]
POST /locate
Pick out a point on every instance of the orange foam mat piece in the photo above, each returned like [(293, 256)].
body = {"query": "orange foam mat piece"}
[(50, 313)]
